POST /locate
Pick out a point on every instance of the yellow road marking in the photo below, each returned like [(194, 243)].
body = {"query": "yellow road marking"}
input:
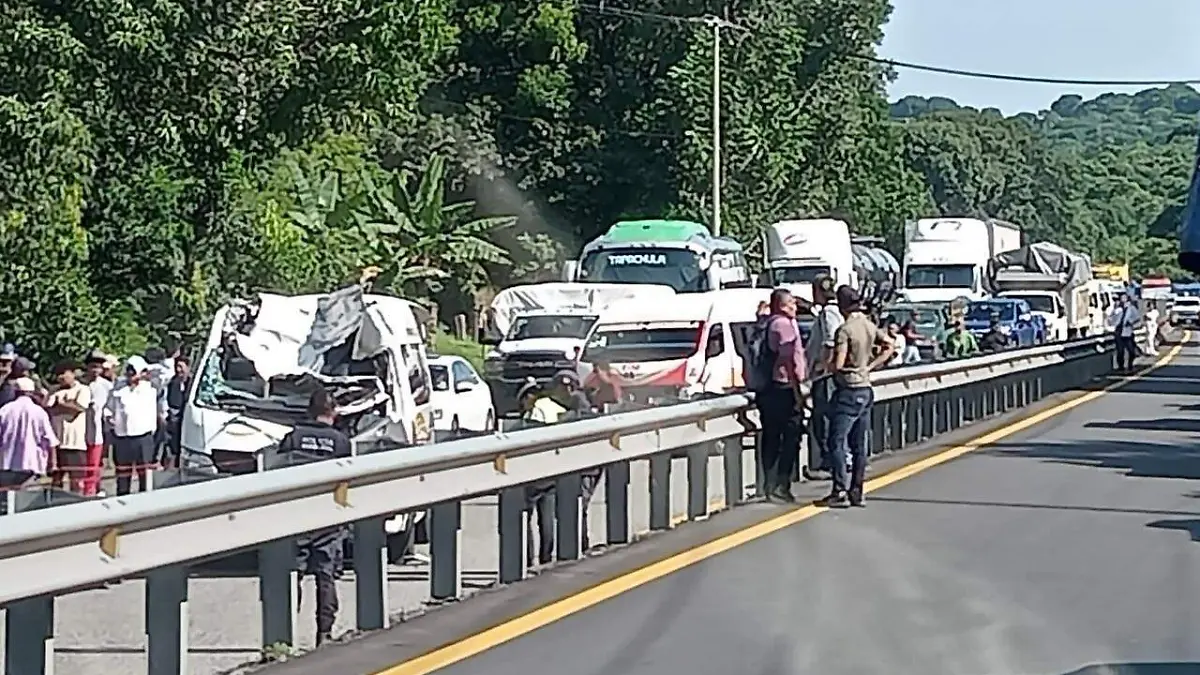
[(522, 625)]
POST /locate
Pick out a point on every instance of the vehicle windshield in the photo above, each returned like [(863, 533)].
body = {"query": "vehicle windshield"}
[(799, 275), (983, 311), (1040, 303), (920, 317), (1186, 301), (675, 267), (551, 326), (227, 377), (441, 378), (940, 276), (635, 345)]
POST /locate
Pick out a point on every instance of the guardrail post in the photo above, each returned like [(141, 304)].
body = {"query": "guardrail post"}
[(29, 636), (445, 521), (167, 620), (567, 511), (660, 491), (697, 478), (277, 585), (511, 525), (616, 503), (370, 574), (732, 465)]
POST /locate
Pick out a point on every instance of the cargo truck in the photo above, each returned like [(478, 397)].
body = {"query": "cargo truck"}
[(946, 258), (797, 251), (1053, 280)]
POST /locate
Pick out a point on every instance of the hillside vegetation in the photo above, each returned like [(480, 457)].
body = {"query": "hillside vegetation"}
[(1108, 175), (157, 159)]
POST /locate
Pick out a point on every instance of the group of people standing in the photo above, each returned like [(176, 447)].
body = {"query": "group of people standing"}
[(846, 344), (66, 430)]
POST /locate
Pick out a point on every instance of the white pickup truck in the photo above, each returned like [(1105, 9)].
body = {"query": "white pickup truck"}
[(1185, 311)]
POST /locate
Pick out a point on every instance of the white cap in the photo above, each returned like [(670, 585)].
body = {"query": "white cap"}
[(24, 384)]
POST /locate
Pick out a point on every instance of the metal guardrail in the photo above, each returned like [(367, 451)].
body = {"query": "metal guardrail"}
[(164, 534)]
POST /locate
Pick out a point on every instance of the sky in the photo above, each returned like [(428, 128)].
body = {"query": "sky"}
[(1073, 39)]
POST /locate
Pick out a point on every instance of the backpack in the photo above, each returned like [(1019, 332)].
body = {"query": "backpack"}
[(759, 359)]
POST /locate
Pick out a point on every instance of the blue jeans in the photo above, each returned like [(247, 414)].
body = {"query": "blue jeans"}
[(849, 423)]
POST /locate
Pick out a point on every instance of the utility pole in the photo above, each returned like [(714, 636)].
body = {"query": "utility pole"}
[(717, 24)]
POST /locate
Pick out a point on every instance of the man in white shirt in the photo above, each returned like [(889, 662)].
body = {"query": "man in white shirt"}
[(136, 409), (1124, 320), (68, 404), (1151, 321)]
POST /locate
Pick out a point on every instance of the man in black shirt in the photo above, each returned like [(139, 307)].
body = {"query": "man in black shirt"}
[(320, 553)]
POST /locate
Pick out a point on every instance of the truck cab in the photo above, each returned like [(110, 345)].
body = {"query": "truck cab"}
[(946, 258)]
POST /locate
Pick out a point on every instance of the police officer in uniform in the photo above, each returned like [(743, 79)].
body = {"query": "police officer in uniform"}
[(320, 553)]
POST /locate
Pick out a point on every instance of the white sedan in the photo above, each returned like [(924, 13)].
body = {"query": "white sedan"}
[(461, 399)]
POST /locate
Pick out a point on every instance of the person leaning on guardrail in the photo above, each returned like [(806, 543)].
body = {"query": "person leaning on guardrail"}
[(320, 553), (776, 374), (854, 358), (539, 409)]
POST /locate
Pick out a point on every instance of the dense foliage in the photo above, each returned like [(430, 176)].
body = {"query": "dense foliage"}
[(1108, 176), (158, 158)]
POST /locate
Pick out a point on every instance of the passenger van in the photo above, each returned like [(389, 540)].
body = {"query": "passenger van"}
[(265, 357), (688, 349)]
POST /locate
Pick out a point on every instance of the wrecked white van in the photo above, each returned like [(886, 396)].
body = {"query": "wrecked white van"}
[(264, 358)]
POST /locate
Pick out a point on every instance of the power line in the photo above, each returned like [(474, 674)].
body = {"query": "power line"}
[(1004, 77), (604, 8)]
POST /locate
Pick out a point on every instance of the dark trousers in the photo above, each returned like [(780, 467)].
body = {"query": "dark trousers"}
[(818, 427), (849, 424), (1126, 348), (132, 455), (782, 426), (542, 505), (322, 557)]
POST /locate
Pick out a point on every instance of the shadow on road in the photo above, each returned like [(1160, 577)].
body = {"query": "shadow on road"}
[(1140, 459), (1172, 380), (1173, 668), (1189, 525)]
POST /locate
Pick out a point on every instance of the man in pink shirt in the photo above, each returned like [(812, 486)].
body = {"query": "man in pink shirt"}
[(781, 404), (27, 442)]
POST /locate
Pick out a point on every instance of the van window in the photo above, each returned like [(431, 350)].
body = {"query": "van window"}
[(418, 380), (642, 344), (741, 333), (716, 342)]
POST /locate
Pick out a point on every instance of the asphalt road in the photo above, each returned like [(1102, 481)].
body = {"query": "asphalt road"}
[(102, 632), (1072, 547)]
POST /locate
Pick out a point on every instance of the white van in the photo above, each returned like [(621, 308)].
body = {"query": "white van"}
[(264, 358), (687, 349)]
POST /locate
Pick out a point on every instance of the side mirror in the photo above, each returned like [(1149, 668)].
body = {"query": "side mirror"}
[(570, 271), (490, 340), (463, 387)]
